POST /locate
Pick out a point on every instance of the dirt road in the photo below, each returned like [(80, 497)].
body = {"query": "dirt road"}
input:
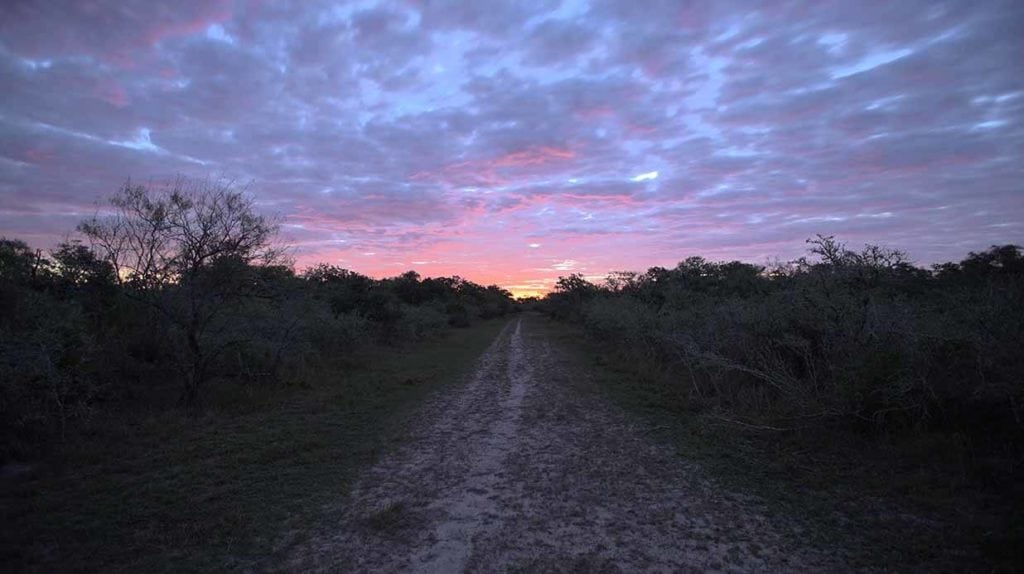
[(516, 470)]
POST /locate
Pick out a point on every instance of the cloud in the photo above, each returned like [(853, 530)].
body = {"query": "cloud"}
[(647, 176), (612, 135), (113, 32)]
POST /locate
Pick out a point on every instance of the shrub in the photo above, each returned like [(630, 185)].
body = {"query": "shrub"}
[(859, 338), (48, 373)]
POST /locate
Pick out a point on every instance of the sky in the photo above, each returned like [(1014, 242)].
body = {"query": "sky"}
[(513, 143)]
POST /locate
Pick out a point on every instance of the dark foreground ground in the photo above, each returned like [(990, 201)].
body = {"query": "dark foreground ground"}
[(511, 446), (167, 491), (521, 469)]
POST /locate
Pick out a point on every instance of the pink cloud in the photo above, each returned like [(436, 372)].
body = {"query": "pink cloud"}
[(499, 142), (117, 32), (500, 170), (112, 92)]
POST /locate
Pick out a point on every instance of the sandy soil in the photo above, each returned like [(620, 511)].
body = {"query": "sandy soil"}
[(517, 470)]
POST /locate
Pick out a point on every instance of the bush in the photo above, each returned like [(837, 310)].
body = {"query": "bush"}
[(423, 321), (858, 338), (48, 372)]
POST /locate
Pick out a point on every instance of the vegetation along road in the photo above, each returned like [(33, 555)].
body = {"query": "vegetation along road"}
[(522, 468)]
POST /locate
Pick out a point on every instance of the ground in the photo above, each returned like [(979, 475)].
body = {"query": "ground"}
[(524, 467)]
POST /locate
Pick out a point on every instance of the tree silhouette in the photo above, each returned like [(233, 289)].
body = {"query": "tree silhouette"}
[(187, 251)]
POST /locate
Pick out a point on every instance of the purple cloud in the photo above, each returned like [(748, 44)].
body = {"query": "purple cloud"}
[(516, 141)]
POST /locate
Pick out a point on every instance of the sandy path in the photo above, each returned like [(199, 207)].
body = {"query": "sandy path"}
[(518, 471)]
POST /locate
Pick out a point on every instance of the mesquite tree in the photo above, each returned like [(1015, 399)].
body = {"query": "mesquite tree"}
[(187, 250)]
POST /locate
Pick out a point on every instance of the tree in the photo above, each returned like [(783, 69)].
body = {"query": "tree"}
[(622, 282), (998, 260), (575, 284), (569, 296), (18, 262), (187, 250), (345, 291), (75, 265)]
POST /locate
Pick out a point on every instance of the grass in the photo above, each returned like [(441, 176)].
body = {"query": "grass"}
[(168, 492), (911, 501)]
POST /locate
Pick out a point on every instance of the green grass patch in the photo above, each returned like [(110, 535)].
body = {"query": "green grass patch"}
[(168, 491), (912, 501)]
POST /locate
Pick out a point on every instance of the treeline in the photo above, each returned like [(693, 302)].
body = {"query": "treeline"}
[(862, 340), (201, 297)]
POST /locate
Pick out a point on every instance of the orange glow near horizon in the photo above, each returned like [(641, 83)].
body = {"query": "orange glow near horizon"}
[(522, 283)]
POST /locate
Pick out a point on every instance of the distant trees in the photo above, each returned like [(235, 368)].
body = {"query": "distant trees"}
[(997, 261), (451, 300), (188, 252), (75, 265), (18, 262), (570, 294), (344, 290)]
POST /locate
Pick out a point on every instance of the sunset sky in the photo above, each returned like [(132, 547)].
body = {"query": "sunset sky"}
[(511, 143)]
